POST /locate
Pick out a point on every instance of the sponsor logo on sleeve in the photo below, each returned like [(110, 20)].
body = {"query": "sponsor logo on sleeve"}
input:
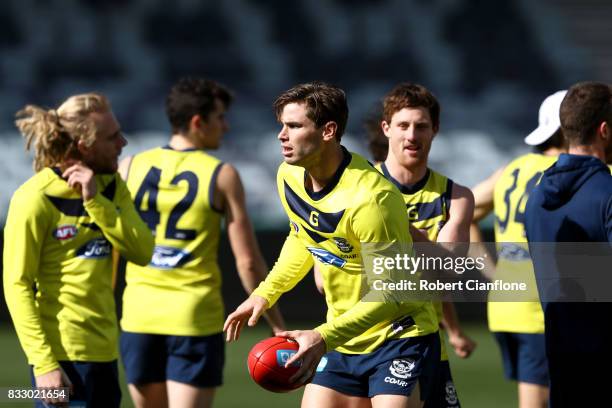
[(168, 257), (327, 257), (95, 249), (65, 232)]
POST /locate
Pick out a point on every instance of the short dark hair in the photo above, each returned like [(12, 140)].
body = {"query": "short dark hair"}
[(584, 108), (324, 102), (377, 141), (407, 95), (193, 96), (557, 140)]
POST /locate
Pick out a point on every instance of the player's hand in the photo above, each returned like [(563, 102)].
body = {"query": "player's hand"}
[(312, 348), (250, 309), (54, 379), (462, 344), (81, 179)]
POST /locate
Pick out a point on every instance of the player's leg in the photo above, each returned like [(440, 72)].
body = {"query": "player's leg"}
[(399, 401), (144, 358), (151, 395), (195, 369), (182, 395), (339, 382), (406, 373), (532, 372), (317, 396), (532, 395)]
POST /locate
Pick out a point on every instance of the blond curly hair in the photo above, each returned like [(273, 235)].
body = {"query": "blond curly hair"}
[(54, 133)]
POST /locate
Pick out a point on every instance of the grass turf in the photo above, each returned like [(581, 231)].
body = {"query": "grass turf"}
[(479, 379)]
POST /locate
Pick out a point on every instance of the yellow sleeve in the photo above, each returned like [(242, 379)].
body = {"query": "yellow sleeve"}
[(24, 232), (122, 225), (292, 265), (381, 220)]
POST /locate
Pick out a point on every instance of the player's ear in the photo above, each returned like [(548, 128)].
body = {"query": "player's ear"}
[(196, 122), (604, 130), (385, 128), (329, 131)]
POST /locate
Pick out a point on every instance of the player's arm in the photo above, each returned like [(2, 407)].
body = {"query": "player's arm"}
[(27, 225), (122, 225), (380, 220), (457, 227), (459, 341), (483, 196), (252, 269), (292, 265)]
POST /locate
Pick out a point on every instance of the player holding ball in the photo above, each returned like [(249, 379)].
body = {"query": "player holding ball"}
[(367, 353)]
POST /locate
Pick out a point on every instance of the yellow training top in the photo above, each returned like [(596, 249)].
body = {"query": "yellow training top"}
[(514, 263), (58, 266), (179, 292), (357, 206), (428, 204)]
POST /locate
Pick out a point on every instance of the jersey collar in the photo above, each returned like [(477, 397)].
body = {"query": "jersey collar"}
[(334, 180), (406, 189)]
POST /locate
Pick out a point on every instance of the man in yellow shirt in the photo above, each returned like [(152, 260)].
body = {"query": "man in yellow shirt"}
[(518, 326), (63, 223), (171, 341), (378, 353)]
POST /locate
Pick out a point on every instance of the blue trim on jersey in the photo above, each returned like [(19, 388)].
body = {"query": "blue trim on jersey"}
[(405, 189), (346, 160), (429, 210), (211, 188), (447, 195), (74, 206), (314, 236), (191, 149), (327, 222)]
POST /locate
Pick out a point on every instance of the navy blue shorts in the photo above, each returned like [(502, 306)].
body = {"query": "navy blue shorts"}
[(524, 357), (94, 384), (193, 360), (393, 368), (444, 393)]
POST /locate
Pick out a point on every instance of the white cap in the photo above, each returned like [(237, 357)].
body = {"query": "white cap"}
[(548, 119)]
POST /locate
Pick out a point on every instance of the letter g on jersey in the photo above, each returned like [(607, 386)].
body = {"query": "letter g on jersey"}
[(314, 219)]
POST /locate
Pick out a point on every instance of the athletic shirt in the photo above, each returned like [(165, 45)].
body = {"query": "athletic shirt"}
[(58, 266), (428, 204), (514, 263), (179, 292), (357, 206)]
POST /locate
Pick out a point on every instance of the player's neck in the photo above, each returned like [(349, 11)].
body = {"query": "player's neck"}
[(406, 175), (553, 152), (588, 150), (321, 172), (181, 142)]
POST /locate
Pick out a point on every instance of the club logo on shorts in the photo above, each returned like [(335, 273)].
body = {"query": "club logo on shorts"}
[(65, 232), (343, 244), (402, 368), (95, 249), (451, 393), (283, 355)]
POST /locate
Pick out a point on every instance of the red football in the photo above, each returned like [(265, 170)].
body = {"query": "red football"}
[(267, 364)]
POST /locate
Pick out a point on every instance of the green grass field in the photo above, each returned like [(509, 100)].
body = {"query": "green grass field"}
[(479, 379)]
